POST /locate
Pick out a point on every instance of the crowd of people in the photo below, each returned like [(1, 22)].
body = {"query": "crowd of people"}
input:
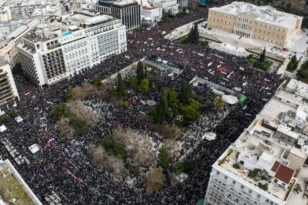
[(64, 167)]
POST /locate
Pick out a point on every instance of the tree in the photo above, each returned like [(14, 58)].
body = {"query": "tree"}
[(196, 35), (120, 87), (163, 158), (219, 103), (4, 119), (80, 126), (294, 59), (191, 112), (140, 71), (145, 73), (144, 86), (290, 66), (262, 55), (165, 16), (185, 93), (132, 82), (60, 110), (97, 81), (288, 6), (155, 179)]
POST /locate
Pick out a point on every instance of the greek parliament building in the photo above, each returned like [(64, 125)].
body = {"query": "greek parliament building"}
[(60, 50), (262, 23), (8, 90), (127, 10)]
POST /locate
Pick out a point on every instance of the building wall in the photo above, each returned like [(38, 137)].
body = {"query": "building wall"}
[(57, 59), (225, 188), (8, 90), (129, 14), (252, 28)]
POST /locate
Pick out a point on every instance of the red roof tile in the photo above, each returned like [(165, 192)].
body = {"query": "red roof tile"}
[(284, 173), (275, 166)]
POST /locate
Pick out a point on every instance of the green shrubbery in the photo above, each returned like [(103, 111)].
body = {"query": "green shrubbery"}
[(113, 147)]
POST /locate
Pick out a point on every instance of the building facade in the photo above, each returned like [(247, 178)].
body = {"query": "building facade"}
[(166, 5), (151, 15), (262, 23), (8, 90), (49, 56), (128, 11)]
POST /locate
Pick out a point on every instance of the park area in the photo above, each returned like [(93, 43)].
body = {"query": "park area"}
[(152, 123)]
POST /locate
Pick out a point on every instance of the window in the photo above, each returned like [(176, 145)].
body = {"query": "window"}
[(226, 177), (258, 196), (250, 191), (266, 200), (242, 187)]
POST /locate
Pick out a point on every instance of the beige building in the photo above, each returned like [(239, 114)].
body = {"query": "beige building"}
[(262, 23)]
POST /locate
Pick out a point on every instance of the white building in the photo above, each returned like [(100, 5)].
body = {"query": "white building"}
[(60, 50), (5, 14), (166, 5), (151, 15), (8, 90), (265, 165)]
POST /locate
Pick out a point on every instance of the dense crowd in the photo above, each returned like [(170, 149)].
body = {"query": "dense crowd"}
[(61, 164)]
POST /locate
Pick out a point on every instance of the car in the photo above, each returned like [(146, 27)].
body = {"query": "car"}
[(284, 49), (210, 28)]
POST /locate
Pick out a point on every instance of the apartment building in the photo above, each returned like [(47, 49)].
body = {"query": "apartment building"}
[(263, 23), (128, 11), (266, 164), (8, 90), (62, 49)]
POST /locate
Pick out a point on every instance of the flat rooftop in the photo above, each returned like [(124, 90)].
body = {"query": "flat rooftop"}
[(11, 190), (257, 148), (265, 14)]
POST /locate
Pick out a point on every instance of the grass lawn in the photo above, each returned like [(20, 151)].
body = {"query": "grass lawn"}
[(11, 189)]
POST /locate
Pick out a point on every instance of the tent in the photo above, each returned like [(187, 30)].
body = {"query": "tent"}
[(2, 128), (230, 99), (243, 99), (18, 119), (34, 149)]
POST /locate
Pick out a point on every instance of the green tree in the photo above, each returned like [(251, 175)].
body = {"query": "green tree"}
[(4, 119), (80, 126), (191, 112), (262, 55), (185, 93), (219, 103), (288, 6), (132, 82), (145, 73), (97, 81), (294, 59), (290, 66), (120, 87), (60, 110), (140, 71), (165, 16), (163, 158), (113, 147), (69, 95), (196, 35), (144, 86)]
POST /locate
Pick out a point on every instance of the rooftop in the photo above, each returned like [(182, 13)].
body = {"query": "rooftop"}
[(11, 189), (261, 158), (2, 62), (265, 14)]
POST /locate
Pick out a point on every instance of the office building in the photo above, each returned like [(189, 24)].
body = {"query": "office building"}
[(166, 5), (128, 11), (263, 23), (266, 164), (8, 90), (63, 49)]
